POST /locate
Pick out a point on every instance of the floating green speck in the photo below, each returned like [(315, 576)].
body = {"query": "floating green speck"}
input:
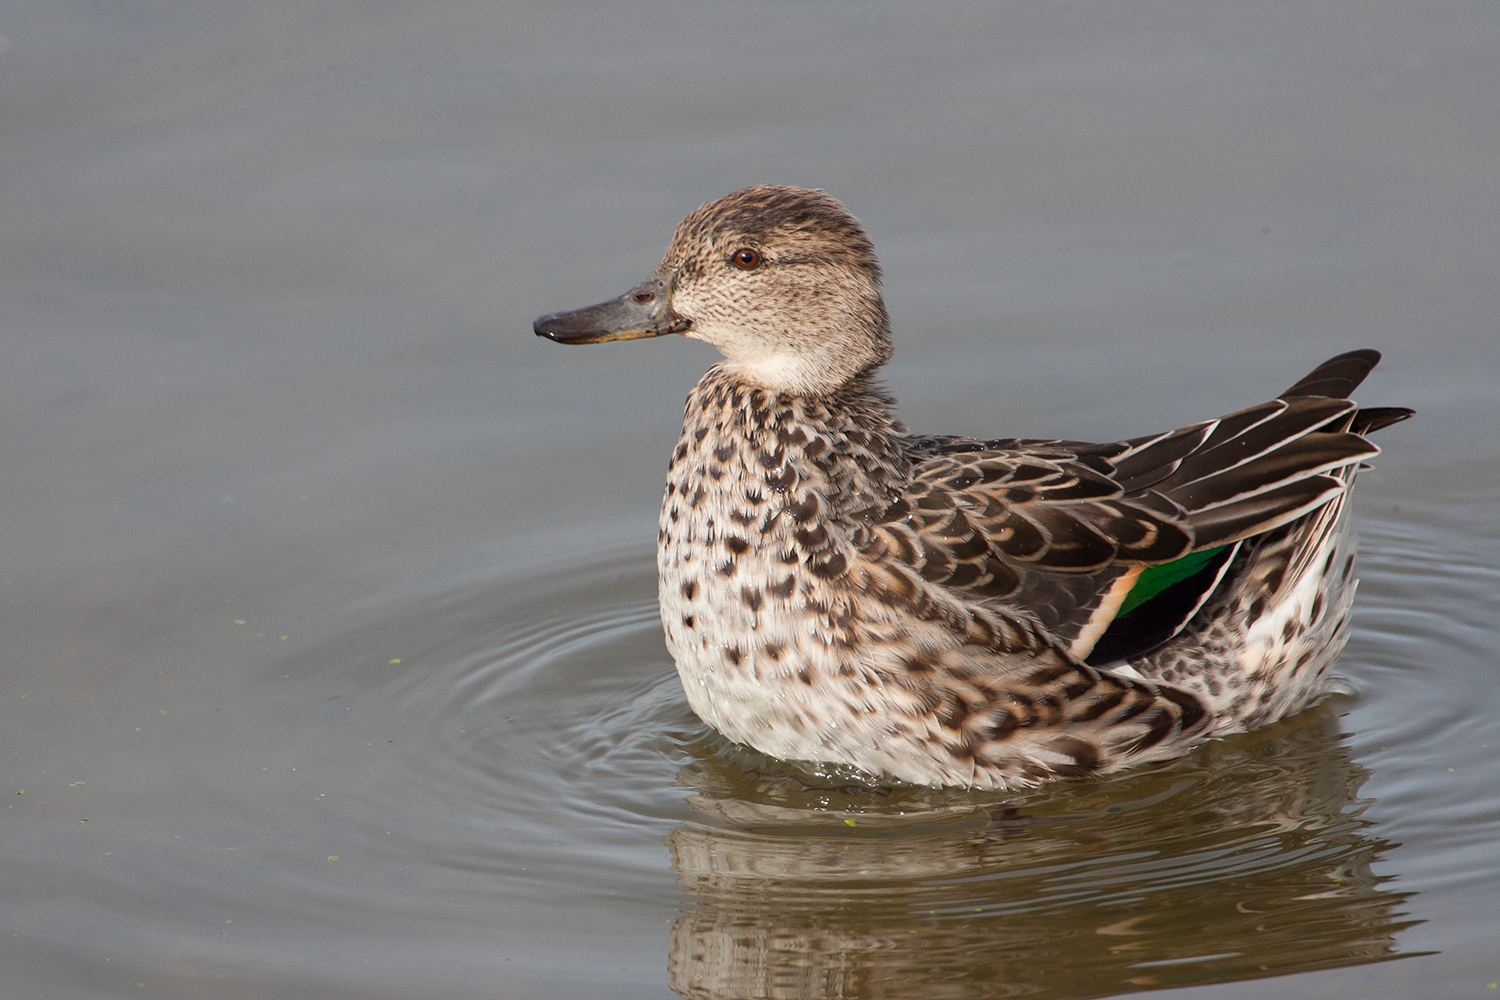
[(396, 661), (848, 822), (333, 857)]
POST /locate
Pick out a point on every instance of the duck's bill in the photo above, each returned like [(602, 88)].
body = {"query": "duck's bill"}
[(644, 311)]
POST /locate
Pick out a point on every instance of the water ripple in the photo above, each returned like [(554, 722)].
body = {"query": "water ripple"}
[(543, 753)]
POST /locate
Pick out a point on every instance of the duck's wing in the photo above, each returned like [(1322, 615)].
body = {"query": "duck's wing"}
[(1063, 531), (1037, 528)]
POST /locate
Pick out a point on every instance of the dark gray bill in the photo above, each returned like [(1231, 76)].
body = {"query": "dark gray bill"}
[(644, 311)]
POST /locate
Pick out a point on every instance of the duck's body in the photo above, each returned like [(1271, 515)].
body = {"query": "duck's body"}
[(957, 612)]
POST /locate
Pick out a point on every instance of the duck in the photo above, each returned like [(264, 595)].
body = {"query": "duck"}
[(841, 593)]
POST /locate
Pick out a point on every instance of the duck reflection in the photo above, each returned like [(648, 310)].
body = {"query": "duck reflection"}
[(1248, 858)]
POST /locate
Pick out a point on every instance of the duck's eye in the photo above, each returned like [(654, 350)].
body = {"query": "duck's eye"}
[(746, 259)]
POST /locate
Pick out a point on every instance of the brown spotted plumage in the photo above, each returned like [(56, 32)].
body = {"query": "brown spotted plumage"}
[(954, 611)]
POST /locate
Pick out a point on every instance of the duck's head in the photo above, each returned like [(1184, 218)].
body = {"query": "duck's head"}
[(782, 280)]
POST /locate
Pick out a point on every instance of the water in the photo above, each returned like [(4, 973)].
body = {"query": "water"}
[(330, 663)]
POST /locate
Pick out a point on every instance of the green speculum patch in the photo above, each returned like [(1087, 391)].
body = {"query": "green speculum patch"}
[(1154, 579)]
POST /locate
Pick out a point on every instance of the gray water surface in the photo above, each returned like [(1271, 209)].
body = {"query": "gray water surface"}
[(329, 660)]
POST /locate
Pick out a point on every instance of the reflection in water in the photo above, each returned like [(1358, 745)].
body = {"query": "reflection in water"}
[(1246, 859)]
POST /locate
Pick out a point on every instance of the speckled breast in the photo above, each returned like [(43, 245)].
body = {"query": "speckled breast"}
[(753, 541)]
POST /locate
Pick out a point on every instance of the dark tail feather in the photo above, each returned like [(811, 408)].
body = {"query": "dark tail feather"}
[(1337, 377), (1372, 418)]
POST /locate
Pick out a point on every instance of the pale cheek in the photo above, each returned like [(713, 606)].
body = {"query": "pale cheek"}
[(733, 336)]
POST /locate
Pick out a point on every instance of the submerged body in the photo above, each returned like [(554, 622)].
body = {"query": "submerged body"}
[(950, 611)]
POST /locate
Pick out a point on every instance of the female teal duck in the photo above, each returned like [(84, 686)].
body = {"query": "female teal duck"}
[(949, 611)]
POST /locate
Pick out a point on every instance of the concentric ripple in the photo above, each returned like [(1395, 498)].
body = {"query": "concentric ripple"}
[(531, 747), (541, 725)]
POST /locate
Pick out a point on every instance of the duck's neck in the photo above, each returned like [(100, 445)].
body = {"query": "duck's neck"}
[(747, 447)]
